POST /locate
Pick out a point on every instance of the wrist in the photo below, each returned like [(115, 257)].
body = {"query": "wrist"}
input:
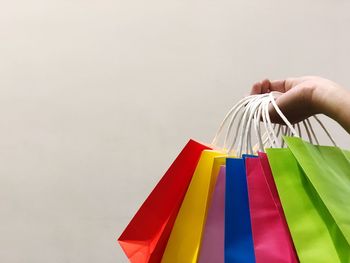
[(332, 100), (324, 99)]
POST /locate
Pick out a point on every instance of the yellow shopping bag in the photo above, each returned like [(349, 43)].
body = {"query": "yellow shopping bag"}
[(185, 238)]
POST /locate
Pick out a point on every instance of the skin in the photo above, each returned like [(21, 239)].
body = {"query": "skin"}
[(306, 96)]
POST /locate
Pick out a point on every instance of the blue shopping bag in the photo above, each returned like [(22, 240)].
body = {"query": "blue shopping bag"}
[(239, 247)]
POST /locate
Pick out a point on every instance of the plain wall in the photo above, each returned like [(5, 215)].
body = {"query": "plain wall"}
[(98, 97)]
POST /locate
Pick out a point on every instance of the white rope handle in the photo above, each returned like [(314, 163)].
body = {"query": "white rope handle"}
[(229, 130), (257, 107), (265, 123), (279, 112), (264, 106), (325, 130), (244, 126), (257, 128), (255, 119), (253, 110), (269, 123), (241, 125), (233, 110)]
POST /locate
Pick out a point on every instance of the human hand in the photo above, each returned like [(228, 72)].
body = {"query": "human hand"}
[(305, 96)]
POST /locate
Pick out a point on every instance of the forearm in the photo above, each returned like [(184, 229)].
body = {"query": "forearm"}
[(335, 103)]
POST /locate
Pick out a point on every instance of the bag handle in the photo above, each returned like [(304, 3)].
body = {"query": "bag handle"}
[(308, 127), (254, 112), (290, 129), (233, 111)]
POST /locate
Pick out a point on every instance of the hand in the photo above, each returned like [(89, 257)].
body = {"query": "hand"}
[(306, 96)]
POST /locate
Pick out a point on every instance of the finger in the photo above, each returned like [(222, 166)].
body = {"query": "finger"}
[(256, 89), (292, 106), (274, 117), (285, 84), (265, 86), (278, 85), (291, 83), (284, 105)]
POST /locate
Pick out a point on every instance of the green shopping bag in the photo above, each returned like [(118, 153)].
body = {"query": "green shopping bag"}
[(328, 170), (316, 236), (347, 154)]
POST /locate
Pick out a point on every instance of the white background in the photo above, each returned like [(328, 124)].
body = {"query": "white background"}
[(98, 97)]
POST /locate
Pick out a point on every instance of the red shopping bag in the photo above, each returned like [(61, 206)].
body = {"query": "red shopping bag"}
[(271, 237), (146, 236)]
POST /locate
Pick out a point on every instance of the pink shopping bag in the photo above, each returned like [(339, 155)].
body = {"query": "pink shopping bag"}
[(271, 237), (212, 248)]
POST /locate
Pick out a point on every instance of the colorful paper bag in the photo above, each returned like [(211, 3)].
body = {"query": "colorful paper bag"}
[(272, 187), (347, 154), (212, 247), (272, 241), (328, 170), (185, 238), (316, 236), (239, 247), (271, 183), (146, 236)]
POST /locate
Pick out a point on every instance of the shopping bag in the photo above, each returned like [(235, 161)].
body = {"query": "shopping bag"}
[(212, 247), (316, 236), (272, 241), (272, 187), (328, 170), (271, 183), (239, 245), (185, 238), (347, 154), (145, 237)]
